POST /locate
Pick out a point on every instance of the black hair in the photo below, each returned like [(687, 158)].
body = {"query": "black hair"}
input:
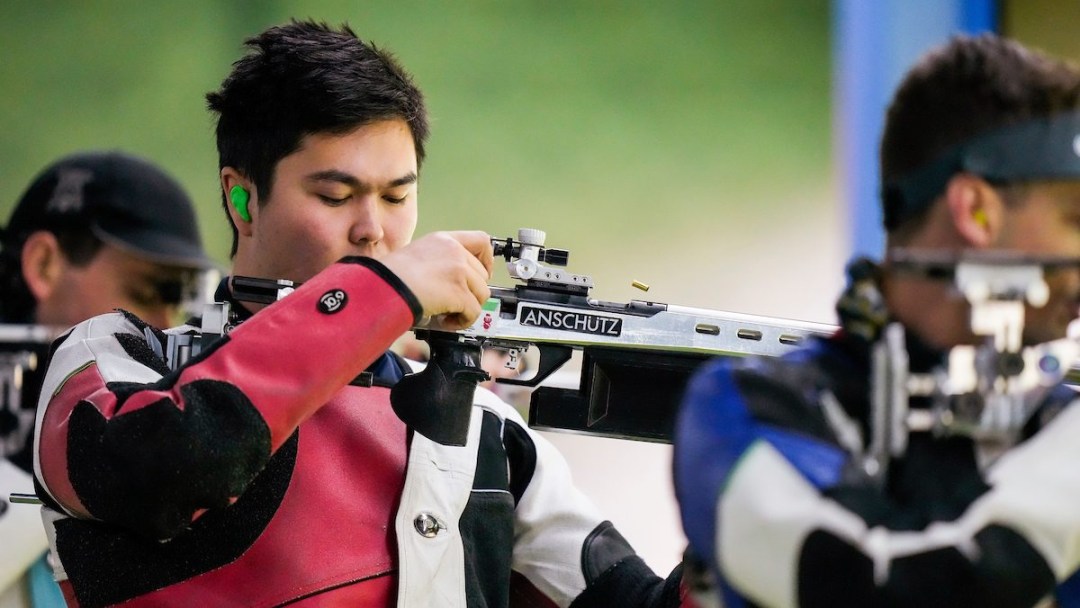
[(971, 85), (301, 79)]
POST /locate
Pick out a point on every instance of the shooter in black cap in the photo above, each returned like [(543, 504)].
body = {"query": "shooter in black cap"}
[(97, 231), (93, 232)]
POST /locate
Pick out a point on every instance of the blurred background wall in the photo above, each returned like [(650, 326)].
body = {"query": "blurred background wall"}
[(686, 145)]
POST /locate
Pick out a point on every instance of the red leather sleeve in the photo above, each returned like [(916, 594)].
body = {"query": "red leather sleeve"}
[(291, 357), (123, 441)]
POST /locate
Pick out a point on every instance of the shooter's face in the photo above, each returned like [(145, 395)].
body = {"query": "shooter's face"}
[(338, 195), (1047, 222), (114, 278)]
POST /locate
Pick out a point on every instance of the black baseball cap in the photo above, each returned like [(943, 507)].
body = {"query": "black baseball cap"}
[(126, 201)]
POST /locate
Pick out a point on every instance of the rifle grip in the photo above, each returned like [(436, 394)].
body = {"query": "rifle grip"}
[(437, 402)]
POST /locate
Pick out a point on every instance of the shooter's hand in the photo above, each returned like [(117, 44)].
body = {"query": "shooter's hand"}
[(448, 273)]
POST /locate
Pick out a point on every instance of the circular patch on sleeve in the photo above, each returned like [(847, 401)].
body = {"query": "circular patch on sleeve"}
[(332, 301)]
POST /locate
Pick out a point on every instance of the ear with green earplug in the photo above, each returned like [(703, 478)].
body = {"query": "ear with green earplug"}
[(239, 197)]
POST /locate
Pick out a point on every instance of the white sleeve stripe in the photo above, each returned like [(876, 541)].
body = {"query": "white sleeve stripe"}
[(1037, 492), (765, 513)]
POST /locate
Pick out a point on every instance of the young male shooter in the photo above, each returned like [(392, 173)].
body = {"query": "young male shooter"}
[(979, 153), (93, 232), (258, 473)]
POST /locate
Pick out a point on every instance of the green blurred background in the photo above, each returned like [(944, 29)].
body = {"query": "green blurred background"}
[(671, 143)]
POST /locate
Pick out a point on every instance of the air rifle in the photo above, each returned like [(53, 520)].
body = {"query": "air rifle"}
[(636, 356)]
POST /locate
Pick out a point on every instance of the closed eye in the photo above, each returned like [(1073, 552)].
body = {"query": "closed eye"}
[(395, 200), (329, 200)]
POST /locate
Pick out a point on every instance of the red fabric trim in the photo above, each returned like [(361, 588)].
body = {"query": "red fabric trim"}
[(523, 594), (69, 594), (379, 591), (88, 385)]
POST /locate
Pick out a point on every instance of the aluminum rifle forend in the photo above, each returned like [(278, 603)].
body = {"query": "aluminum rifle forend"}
[(526, 316), (637, 356)]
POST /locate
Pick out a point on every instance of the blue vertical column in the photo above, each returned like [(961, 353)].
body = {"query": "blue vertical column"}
[(874, 44)]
